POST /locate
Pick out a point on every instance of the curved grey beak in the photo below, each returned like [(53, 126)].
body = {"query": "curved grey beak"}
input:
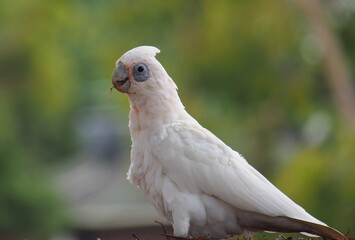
[(120, 79)]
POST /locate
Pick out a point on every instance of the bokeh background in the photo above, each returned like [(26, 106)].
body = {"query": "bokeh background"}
[(274, 80)]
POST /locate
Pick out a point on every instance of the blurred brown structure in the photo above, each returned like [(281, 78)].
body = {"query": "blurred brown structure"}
[(335, 65)]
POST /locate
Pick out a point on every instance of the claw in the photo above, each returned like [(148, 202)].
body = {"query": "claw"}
[(135, 236), (172, 237)]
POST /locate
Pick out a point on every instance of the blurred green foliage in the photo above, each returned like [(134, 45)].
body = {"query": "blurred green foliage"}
[(245, 70)]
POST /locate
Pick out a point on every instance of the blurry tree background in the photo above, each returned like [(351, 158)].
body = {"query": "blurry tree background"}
[(253, 72)]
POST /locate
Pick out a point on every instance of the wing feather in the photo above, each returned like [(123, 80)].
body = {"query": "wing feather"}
[(198, 162)]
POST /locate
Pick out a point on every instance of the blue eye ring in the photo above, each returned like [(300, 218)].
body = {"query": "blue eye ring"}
[(140, 72)]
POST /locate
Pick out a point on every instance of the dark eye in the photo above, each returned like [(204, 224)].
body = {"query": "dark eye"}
[(140, 72)]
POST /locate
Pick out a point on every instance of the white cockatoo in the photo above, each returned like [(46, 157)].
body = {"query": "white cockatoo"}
[(199, 184)]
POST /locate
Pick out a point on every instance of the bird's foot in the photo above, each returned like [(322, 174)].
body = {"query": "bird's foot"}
[(172, 237)]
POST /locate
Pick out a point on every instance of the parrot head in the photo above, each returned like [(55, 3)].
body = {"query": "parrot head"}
[(151, 92), (137, 71)]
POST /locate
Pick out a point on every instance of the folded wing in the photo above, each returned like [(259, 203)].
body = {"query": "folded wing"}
[(197, 161)]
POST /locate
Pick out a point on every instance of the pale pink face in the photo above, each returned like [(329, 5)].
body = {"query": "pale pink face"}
[(123, 76), (132, 69)]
